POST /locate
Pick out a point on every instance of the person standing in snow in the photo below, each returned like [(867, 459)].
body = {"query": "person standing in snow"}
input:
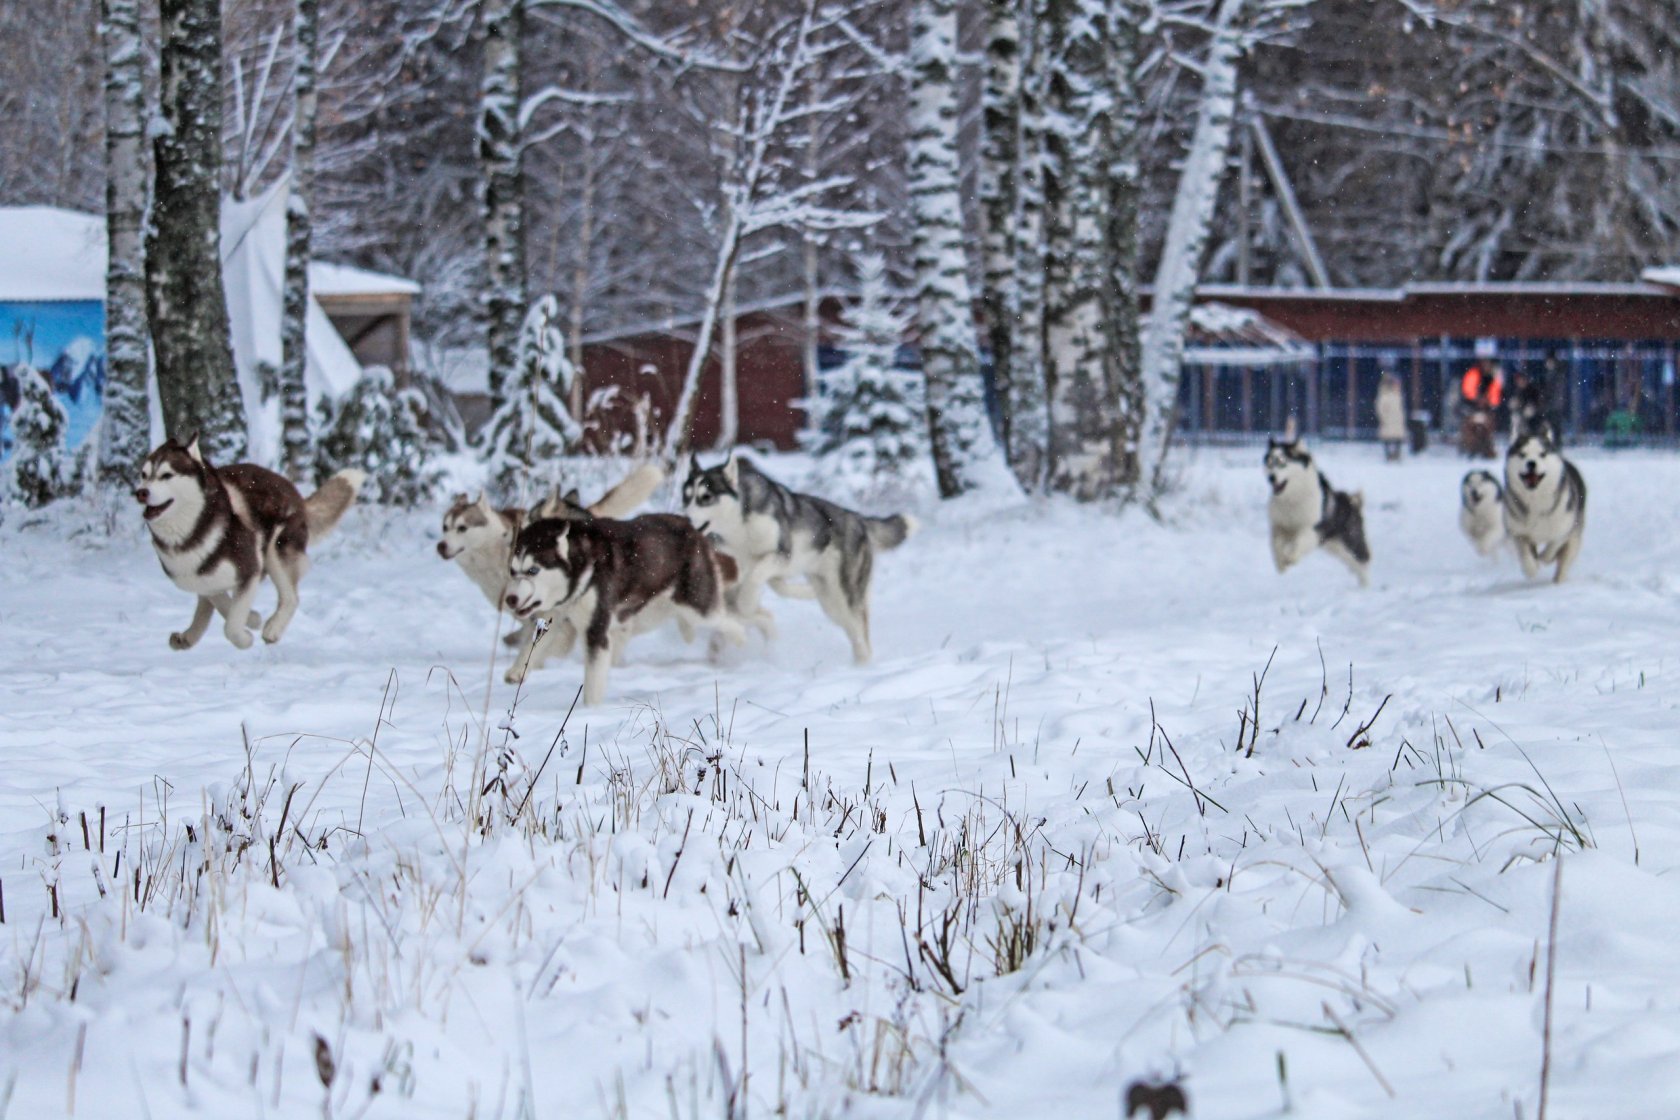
[(1391, 415)]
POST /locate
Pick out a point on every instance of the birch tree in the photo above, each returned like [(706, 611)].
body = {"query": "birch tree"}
[(1179, 267), (501, 152), (294, 356), (965, 453), (125, 425), (185, 300), (1000, 168)]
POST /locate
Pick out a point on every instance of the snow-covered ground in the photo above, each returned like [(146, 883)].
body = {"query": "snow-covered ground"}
[(1039, 850)]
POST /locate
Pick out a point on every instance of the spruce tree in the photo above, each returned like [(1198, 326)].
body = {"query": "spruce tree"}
[(40, 467), (534, 425), (382, 430)]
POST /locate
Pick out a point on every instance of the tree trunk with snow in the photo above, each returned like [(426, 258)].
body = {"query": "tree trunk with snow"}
[(729, 389), (1082, 413), (296, 452), (185, 300), (1029, 417), (1000, 159), (1123, 357), (500, 158), (125, 427), (964, 450), (1187, 234)]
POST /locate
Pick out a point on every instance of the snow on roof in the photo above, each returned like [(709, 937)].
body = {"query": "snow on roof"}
[(328, 279), (51, 254), (1668, 276), (1220, 334)]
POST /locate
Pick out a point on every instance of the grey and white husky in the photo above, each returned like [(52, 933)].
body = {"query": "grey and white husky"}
[(1545, 503), (1306, 512), (776, 534), (1481, 511), (479, 537), (219, 530), (616, 578)]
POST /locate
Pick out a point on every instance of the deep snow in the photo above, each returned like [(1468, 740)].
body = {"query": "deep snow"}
[(1370, 919)]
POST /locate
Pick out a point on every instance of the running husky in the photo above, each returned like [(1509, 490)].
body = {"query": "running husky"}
[(1545, 502), (479, 537), (775, 533), (219, 531), (1481, 512), (1305, 512), (616, 578)]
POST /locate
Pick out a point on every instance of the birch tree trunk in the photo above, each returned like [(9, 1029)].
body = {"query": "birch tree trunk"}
[(582, 258), (1076, 208), (1000, 159), (185, 300), (1123, 358), (294, 314), (729, 396), (1029, 417), (500, 158), (965, 454), (1187, 233), (125, 426)]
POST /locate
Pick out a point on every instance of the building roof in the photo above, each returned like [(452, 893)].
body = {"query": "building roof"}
[(328, 279), (51, 254), (1668, 276)]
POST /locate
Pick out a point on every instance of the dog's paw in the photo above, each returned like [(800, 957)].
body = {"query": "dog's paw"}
[(178, 640), (272, 630), (515, 675), (241, 638)]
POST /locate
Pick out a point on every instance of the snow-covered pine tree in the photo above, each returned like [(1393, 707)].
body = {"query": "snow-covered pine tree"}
[(1180, 264), (501, 173), (533, 426), (41, 470), (294, 396), (125, 423), (185, 300), (868, 422), (965, 453), (382, 430)]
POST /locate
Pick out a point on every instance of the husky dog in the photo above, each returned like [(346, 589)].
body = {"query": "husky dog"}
[(1545, 502), (1305, 512), (617, 577), (219, 531), (479, 537), (774, 533), (1481, 511)]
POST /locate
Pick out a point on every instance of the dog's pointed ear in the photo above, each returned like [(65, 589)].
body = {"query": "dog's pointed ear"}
[(732, 468), (693, 464), (458, 500), (571, 497), (480, 501), (192, 450)]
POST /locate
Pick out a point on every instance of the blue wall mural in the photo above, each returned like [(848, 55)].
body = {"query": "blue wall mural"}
[(65, 341)]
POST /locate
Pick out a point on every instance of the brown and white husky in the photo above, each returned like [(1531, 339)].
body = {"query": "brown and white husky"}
[(219, 530)]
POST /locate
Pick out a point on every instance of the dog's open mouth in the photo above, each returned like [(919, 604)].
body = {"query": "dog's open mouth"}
[(525, 610), (1531, 478), (1278, 484), (151, 513)]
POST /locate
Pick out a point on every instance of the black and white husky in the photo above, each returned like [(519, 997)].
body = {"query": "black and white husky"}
[(479, 537), (1306, 512), (1481, 511), (219, 530), (776, 534), (617, 578), (1545, 503)]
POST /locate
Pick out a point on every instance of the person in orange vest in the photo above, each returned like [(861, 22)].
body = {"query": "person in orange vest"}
[(1483, 388)]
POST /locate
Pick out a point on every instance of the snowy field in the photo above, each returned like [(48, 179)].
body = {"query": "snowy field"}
[(1039, 850)]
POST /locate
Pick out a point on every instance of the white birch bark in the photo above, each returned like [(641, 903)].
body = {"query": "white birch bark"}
[(1000, 159), (729, 397), (125, 424), (1029, 418), (296, 452), (502, 198), (965, 454), (1187, 234)]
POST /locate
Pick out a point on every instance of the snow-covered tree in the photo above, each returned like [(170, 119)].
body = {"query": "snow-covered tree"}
[(381, 429), (868, 421), (1180, 263), (965, 453), (1000, 170), (125, 421), (501, 151), (294, 396), (534, 425), (40, 468), (185, 300)]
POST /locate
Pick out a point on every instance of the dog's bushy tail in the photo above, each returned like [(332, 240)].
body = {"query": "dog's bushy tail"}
[(323, 509), (629, 494), (890, 532)]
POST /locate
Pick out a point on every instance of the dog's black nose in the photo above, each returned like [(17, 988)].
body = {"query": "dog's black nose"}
[(142, 496), (443, 550), (512, 601)]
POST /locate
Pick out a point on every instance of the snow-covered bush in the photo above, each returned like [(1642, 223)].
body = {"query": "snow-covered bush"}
[(40, 469), (381, 429), (867, 421), (533, 426)]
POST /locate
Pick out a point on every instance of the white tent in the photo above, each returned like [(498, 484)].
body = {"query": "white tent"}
[(49, 255)]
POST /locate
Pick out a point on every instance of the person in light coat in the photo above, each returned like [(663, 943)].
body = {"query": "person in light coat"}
[(1391, 415)]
